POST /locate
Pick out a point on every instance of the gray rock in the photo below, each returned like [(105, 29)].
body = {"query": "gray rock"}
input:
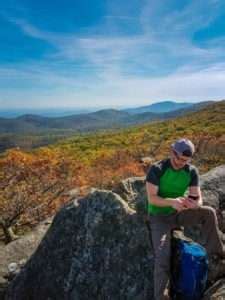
[(213, 186), (133, 191), (19, 251), (96, 248), (216, 291), (12, 267), (216, 269), (3, 287)]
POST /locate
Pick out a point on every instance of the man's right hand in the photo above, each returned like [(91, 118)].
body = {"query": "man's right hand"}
[(178, 203)]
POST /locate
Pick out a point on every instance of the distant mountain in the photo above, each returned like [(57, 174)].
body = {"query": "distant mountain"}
[(54, 112), (159, 107), (149, 116), (103, 119), (108, 118)]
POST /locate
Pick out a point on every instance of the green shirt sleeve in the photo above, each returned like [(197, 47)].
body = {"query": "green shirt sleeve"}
[(153, 175)]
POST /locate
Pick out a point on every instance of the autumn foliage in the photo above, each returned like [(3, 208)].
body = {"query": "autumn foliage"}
[(35, 184)]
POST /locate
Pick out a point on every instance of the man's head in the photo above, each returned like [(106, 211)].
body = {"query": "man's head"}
[(182, 152)]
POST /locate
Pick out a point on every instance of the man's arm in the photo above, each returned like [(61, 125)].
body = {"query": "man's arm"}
[(153, 198)]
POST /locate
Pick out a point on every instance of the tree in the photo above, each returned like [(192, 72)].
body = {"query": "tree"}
[(29, 187)]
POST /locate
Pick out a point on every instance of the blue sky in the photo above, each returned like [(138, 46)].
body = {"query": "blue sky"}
[(110, 53)]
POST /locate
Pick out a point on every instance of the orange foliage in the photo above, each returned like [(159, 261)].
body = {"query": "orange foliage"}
[(33, 186), (30, 184)]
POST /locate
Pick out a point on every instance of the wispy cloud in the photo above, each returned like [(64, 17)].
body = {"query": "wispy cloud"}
[(161, 61)]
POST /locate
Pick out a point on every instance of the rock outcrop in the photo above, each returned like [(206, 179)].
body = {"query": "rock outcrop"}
[(213, 187), (98, 247)]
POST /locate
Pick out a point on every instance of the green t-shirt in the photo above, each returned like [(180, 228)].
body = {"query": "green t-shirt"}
[(172, 183)]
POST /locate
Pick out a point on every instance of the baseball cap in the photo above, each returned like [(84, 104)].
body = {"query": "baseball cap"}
[(184, 147)]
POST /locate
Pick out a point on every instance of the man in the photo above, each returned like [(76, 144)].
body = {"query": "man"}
[(174, 200)]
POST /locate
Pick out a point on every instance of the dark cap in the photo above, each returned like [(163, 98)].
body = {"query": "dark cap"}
[(184, 147)]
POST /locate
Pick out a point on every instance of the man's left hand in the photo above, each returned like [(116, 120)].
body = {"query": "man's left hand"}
[(189, 203)]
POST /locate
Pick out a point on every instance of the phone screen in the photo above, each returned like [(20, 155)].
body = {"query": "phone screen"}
[(193, 197)]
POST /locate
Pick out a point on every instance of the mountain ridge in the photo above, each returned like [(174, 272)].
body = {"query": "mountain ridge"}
[(102, 119), (159, 107)]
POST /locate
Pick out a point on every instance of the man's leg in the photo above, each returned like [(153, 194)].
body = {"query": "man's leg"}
[(206, 216), (161, 240)]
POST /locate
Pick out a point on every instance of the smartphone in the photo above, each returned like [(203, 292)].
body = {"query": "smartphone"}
[(192, 197)]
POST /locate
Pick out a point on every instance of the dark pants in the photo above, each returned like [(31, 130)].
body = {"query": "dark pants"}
[(161, 227)]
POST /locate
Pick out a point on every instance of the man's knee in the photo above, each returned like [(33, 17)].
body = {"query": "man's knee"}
[(209, 211)]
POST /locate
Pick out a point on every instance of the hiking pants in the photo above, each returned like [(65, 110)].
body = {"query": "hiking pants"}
[(161, 227)]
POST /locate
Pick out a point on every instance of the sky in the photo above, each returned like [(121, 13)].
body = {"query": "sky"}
[(111, 53)]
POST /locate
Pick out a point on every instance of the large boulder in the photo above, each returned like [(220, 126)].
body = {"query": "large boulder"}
[(96, 248)]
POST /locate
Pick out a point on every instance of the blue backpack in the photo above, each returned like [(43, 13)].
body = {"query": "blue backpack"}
[(189, 269)]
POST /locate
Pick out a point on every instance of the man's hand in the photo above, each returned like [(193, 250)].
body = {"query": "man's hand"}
[(190, 203), (178, 203)]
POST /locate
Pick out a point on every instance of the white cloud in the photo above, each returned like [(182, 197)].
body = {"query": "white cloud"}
[(160, 62), (189, 85)]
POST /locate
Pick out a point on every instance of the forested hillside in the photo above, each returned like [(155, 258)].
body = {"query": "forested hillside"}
[(33, 131), (34, 184)]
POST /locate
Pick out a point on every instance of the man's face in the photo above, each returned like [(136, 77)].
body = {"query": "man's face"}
[(178, 160)]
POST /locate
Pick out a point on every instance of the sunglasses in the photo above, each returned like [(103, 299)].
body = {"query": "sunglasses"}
[(181, 159)]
